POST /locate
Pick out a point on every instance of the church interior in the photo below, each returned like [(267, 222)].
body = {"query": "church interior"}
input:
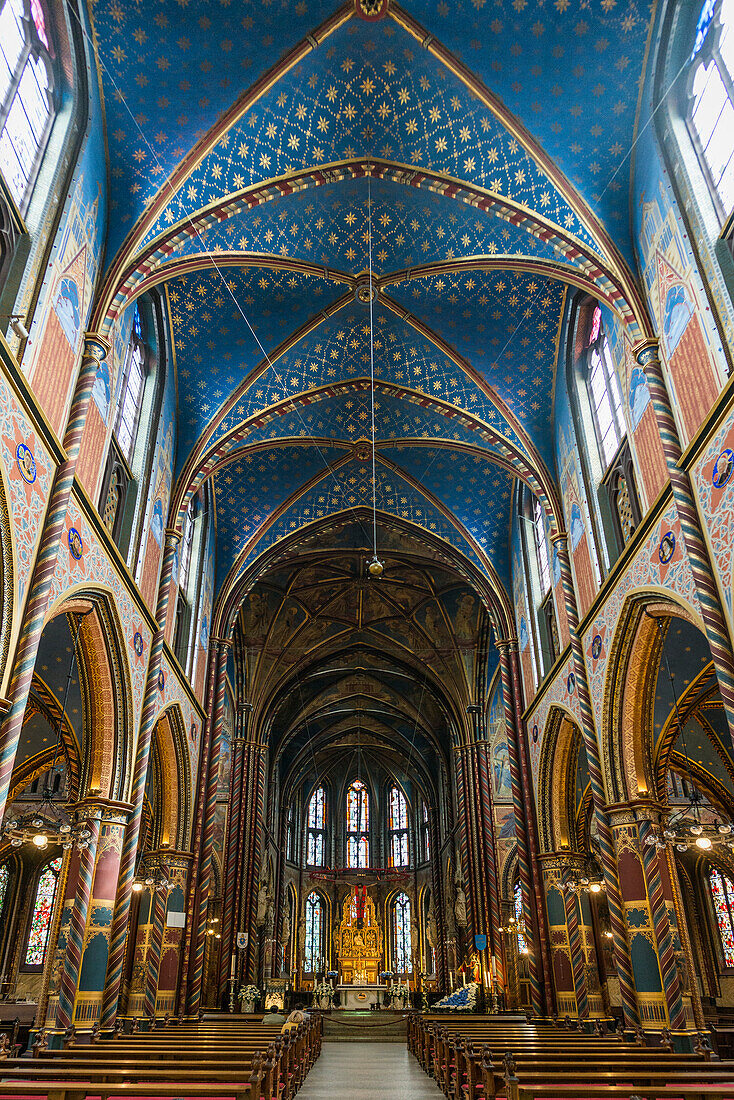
[(367, 548)]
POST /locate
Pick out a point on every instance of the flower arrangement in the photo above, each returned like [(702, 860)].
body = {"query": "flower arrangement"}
[(463, 999), (249, 994), (323, 994), (399, 993)]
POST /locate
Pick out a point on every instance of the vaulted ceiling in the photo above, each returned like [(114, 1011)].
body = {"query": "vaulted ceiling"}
[(249, 144)]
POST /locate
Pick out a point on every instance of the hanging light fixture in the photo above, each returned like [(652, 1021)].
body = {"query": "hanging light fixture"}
[(50, 823), (150, 876), (687, 827), (375, 567)]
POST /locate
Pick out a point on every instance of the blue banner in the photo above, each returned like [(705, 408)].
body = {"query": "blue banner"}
[(480, 942)]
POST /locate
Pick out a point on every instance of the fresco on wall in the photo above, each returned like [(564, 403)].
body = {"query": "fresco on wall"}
[(172, 689), (689, 344), (562, 691), (201, 639), (27, 470), (575, 505), (713, 479), (82, 560), (68, 285), (522, 613)]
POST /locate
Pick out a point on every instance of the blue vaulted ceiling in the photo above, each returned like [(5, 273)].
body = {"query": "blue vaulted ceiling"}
[(239, 137)]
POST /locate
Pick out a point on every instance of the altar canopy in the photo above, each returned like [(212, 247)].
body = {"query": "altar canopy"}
[(359, 948)]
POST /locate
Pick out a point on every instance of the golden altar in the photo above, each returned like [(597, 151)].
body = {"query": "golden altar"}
[(359, 949)]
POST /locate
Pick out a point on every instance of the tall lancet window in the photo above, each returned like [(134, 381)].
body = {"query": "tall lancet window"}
[(358, 824), (314, 933), (398, 830), (722, 895), (316, 829), (401, 934), (43, 908), (711, 104)]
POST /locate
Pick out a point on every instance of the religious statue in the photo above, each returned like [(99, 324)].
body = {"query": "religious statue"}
[(432, 928), (460, 901), (263, 901), (414, 938), (285, 934)]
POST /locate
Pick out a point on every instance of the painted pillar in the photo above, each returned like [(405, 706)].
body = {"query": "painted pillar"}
[(598, 793), (199, 811), (704, 575), (85, 862), (94, 351), (201, 901), (252, 853), (568, 980), (119, 930), (99, 922), (233, 863), (173, 933), (153, 955), (644, 884), (533, 916)]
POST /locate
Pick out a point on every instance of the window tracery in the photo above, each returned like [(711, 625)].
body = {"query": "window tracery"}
[(401, 934), (398, 829), (43, 907), (26, 94), (722, 896), (316, 828), (314, 932), (358, 815), (710, 115)]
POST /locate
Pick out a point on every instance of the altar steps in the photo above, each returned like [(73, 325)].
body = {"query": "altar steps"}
[(342, 1026)]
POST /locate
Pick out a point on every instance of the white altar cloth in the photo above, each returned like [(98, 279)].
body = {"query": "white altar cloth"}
[(360, 996)]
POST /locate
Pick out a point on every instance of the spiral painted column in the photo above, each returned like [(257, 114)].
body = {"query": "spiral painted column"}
[(153, 960), (617, 916), (95, 350), (254, 850), (196, 967), (717, 632), (233, 854), (661, 924), (78, 925), (529, 902), (571, 905), (198, 824), (151, 703), (490, 857)]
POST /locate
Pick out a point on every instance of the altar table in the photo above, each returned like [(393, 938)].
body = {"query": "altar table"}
[(360, 996)]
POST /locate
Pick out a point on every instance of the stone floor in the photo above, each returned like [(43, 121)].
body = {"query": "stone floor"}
[(363, 1071)]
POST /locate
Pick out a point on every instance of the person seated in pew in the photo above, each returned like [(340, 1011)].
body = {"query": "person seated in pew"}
[(296, 1018), (273, 1016)]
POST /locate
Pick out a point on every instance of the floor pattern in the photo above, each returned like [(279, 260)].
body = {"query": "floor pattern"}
[(362, 1071)]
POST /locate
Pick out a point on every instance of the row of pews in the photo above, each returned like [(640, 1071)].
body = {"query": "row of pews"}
[(223, 1058), (481, 1057)]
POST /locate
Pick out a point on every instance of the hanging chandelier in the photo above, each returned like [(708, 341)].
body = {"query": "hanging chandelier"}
[(151, 876), (589, 881), (689, 826), (51, 823)]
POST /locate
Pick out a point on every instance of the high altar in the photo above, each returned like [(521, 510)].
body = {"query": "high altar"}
[(359, 949)]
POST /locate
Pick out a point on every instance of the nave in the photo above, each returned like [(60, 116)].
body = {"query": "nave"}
[(361, 1071)]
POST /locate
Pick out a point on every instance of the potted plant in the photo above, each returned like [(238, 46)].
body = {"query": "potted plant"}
[(323, 995), (399, 995), (248, 998)]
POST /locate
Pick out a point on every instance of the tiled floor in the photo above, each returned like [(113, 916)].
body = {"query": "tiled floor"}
[(364, 1071)]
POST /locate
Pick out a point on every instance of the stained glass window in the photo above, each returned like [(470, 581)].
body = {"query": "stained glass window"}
[(522, 946), (711, 104), (43, 908), (290, 834), (26, 94), (314, 932), (130, 399), (316, 822), (722, 894), (358, 821), (604, 393), (401, 934), (398, 829), (4, 880), (541, 547)]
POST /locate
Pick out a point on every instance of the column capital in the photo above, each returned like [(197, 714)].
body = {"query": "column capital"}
[(560, 539), (96, 346), (172, 534), (223, 643), (647, 351), (506, 643)]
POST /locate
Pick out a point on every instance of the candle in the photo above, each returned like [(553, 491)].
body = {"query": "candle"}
[(234, 964), (494, 966)]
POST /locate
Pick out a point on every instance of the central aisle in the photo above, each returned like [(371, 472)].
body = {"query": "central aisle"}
[(362, 1071)]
